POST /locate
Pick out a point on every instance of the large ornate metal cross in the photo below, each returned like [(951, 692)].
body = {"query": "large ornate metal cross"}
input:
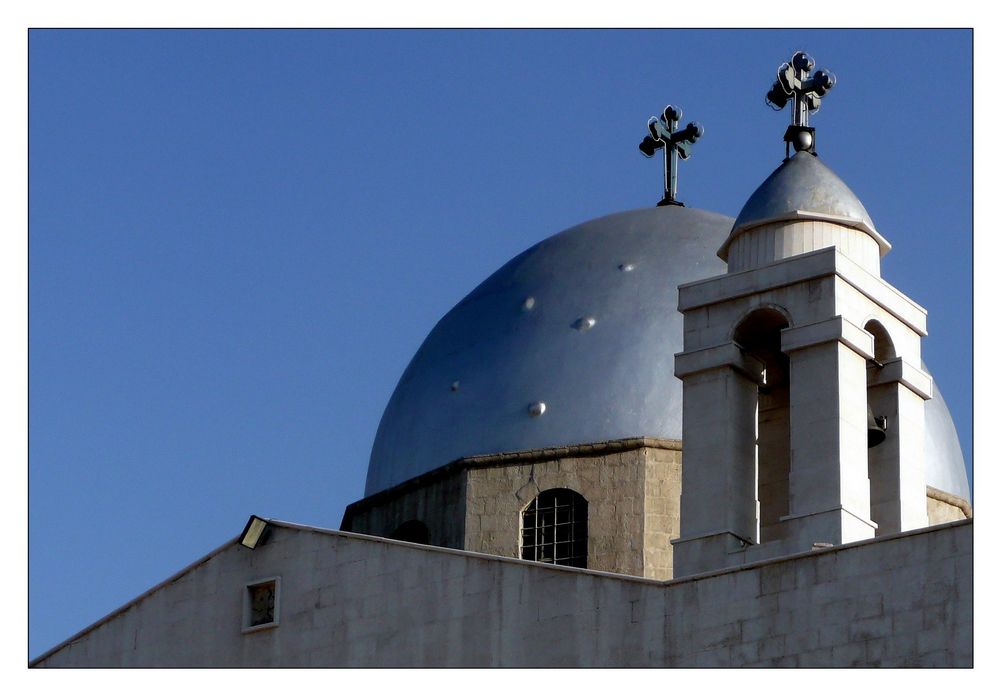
[(663, 134), (795, 84)]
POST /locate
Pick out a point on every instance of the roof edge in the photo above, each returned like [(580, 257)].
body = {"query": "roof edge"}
[(610, 446), (511, 560), (519, 561), (953, 500), (145, 594)]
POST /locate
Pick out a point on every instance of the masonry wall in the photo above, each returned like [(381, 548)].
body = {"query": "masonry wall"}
[(632, 487), (662, 506), (439, 503), (348, 600), (632, 497), (941, 511)]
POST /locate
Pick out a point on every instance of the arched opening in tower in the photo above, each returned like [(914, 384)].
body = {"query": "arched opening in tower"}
[(883, 489), (759, 335)]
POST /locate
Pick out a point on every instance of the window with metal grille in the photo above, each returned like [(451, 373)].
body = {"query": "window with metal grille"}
[(554, 528)]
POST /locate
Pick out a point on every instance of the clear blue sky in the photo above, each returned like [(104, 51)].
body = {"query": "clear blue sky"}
[(238, 239)]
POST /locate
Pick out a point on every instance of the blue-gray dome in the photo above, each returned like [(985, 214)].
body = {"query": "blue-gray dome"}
[(803, 187), (524, 337), (943, 458), (610, 381)]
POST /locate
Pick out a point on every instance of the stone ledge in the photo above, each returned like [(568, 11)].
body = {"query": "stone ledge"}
[(948, 498), (836, 328), (716, 357), (901, 371), (780, 273), (612, 446), (825, 262), (601, 448)]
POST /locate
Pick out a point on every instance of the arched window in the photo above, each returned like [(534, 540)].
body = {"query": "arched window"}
[(413, 531), (554, 528)]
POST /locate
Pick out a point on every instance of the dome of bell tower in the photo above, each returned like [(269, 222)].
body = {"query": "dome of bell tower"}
[(803, 186), (802, 206)]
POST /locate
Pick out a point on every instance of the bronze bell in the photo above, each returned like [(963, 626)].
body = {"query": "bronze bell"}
[(876, 429)]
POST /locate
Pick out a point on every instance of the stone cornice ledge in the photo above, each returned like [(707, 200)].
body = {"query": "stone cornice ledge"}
[(807, 266), (786, 271), (715, 357), (883, 294), (948, 498), (838, 328), (611, 446), (900, 371)]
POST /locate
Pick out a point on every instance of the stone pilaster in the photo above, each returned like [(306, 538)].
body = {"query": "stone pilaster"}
[(897, 390), (718, 488), (828, 480)]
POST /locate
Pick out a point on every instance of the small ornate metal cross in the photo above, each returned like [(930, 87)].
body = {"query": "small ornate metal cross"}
[(795, 84), (663, 134)]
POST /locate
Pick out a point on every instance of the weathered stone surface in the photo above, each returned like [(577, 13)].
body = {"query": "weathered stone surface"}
[(373, 602), (633, 488), (612, 484), (942, 507), (438, 503)]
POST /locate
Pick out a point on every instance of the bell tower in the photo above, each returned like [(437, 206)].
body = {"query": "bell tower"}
[(803, 394)]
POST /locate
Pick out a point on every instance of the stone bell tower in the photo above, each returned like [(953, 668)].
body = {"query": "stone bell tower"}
[(803, 394)]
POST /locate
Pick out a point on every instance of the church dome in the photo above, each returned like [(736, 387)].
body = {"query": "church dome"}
[(942, 452), (572, 342), (803, 188)]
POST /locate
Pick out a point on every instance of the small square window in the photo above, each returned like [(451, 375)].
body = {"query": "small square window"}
[(261, 604)]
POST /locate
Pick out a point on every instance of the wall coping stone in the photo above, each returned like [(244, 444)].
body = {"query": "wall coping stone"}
[(612, 446), (948, 498), (541, 566), (910, 376), (836, 328)]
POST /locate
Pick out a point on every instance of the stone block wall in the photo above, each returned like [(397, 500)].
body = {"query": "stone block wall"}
[(349, 600), (662, 509), (943, 507), (632, 490), (632, 487), (496, 496), (438, 502)]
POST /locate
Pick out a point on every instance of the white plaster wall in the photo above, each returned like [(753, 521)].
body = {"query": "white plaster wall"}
[(359, 601)]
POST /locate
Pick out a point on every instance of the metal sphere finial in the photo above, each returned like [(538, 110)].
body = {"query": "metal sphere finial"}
[(803, 141)]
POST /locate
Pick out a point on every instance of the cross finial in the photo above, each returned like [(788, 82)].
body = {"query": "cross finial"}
[(663, 134), (795, 84)]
